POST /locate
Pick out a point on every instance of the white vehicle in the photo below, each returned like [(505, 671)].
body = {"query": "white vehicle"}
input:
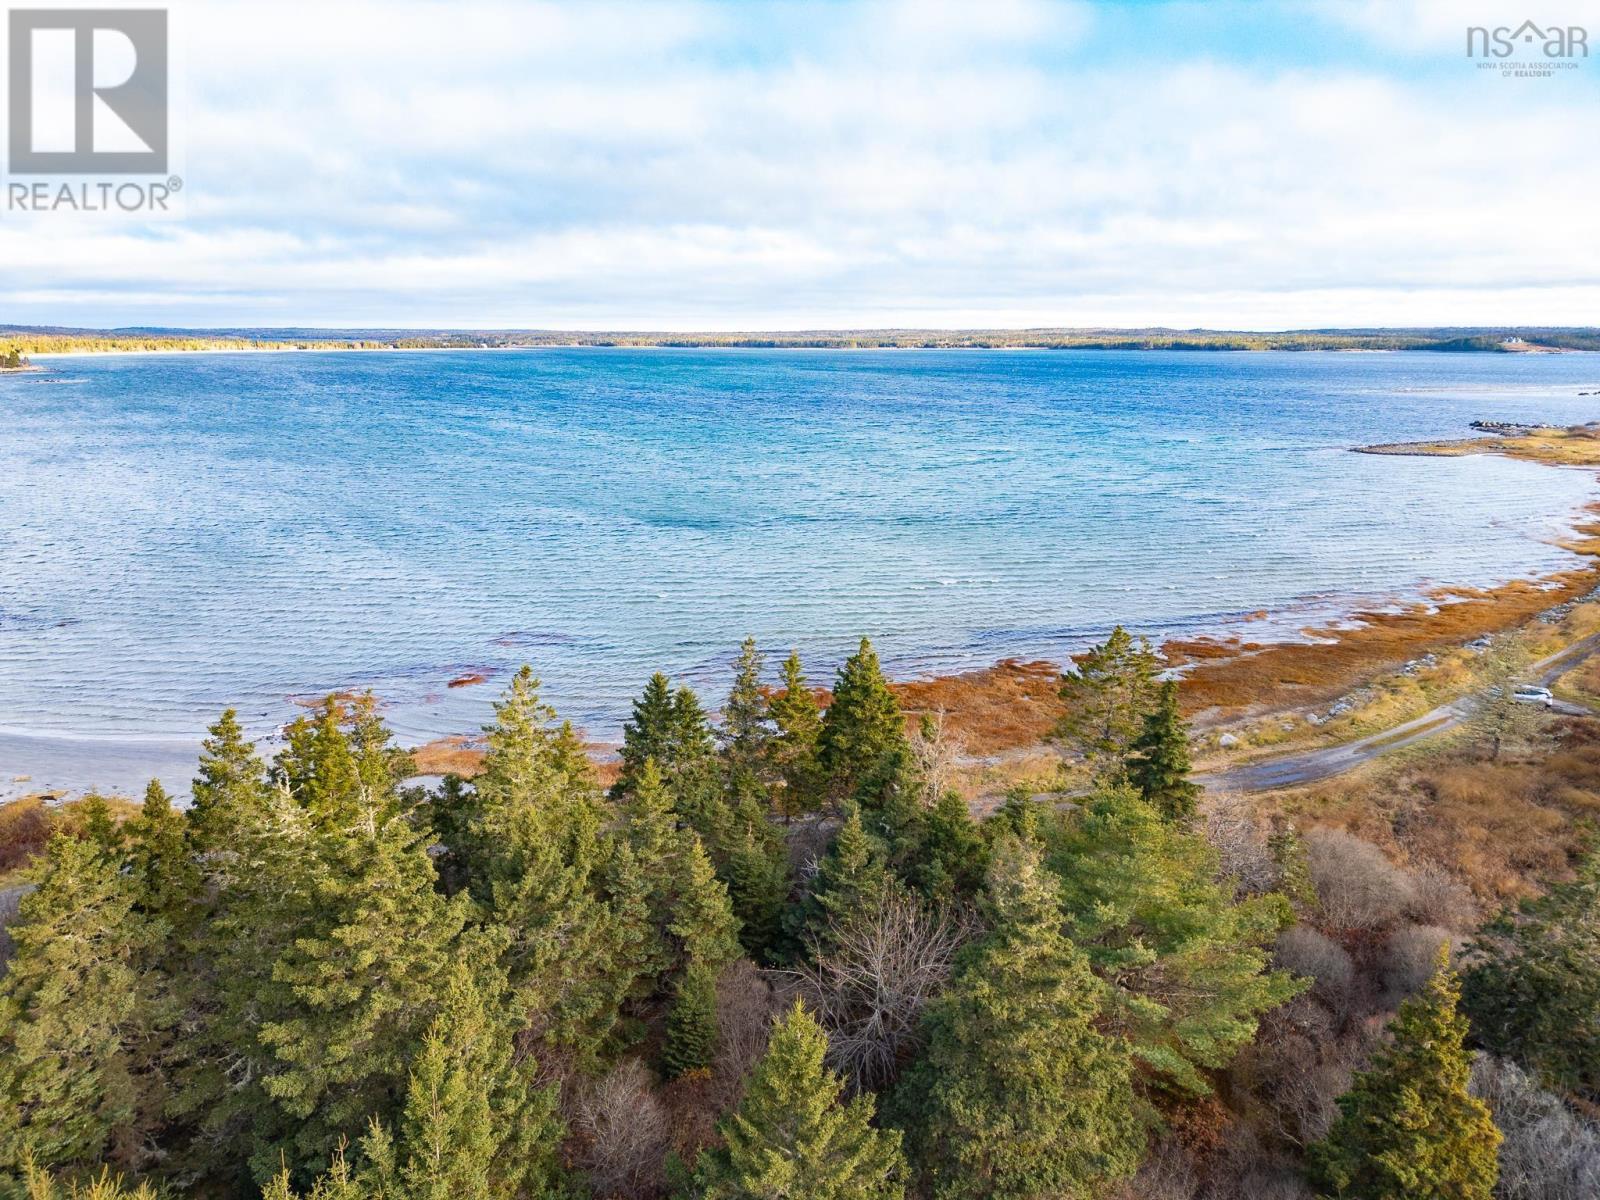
[(1527, 693)]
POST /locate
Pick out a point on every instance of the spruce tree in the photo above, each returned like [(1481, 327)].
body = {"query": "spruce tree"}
[(850, 880), (1188, 965), (227, 792), (1106, 699), (72, 1006), (792, 1136), (746, 734), (1018, 1094), (692, 1022), (539, 856), (798, 721), (359, 988), (265, 898), (570, 756), (1408, 1129), (703, 926), (670, 728), (862, 727), (100, 827), (755, 868), (1159, 764), (475, 1125), (655, 848), (163, 863), (319, 768), (649, 733), (1533, 992)]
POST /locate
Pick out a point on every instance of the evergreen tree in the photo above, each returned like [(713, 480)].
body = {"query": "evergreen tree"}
[(318, 767), (851, 879), (670, 728), (639, 954), (1159, 766), (358, 988), (228, 790), (1294, 866), (755, 868), (862, 727), (798, 720), (703, 925), (475, 1125), (647, 876), (746, 733), (1106, 699), (163, 862), (1018, 1095), (1408, 1129), (71, 1007), (538, 857), (692, 1022), (792, 1137), (952, 856), (570, 756), (1187, 964), (264, 900), (381, 766), (1534, 991), (648, 735), (100, 827)]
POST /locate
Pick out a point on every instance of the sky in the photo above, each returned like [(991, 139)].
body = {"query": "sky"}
[(682, 165)]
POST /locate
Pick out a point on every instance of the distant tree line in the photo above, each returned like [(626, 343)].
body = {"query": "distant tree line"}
[(1459, 340)]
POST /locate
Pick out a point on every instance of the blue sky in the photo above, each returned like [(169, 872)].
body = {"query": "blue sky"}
[(688, 165)]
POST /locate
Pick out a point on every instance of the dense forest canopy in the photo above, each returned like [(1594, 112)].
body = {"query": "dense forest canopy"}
[(772, 960)]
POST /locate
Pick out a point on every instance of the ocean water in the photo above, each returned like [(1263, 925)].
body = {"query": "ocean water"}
[(184, 532)]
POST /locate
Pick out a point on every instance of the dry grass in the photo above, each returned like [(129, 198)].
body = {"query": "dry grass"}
[(1572, 446), (1231, 678), (26, 825), (1504, 828), (1008, 706), (458, 754)]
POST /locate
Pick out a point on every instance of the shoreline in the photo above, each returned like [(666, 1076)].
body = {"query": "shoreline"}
[(1008, 707)]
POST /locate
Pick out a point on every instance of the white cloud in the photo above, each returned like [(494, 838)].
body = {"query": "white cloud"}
[(681, 165)]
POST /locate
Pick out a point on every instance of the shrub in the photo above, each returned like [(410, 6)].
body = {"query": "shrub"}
[(1357, 887), (1439, 898), (1549, 1152), (1410, 956), (24, 829), (869, 987), (1304, 951), (747, 1004)]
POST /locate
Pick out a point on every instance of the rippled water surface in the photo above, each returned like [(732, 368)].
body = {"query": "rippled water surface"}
[(182, 532)]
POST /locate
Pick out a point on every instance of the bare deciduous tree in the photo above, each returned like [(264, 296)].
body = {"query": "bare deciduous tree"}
[(623, 1130), (747, 1003), (935, 749), (1243, 843), (880, 971)]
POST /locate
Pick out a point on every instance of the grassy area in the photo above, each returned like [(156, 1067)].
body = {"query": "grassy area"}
[(1570, 446), (1501, 825)]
